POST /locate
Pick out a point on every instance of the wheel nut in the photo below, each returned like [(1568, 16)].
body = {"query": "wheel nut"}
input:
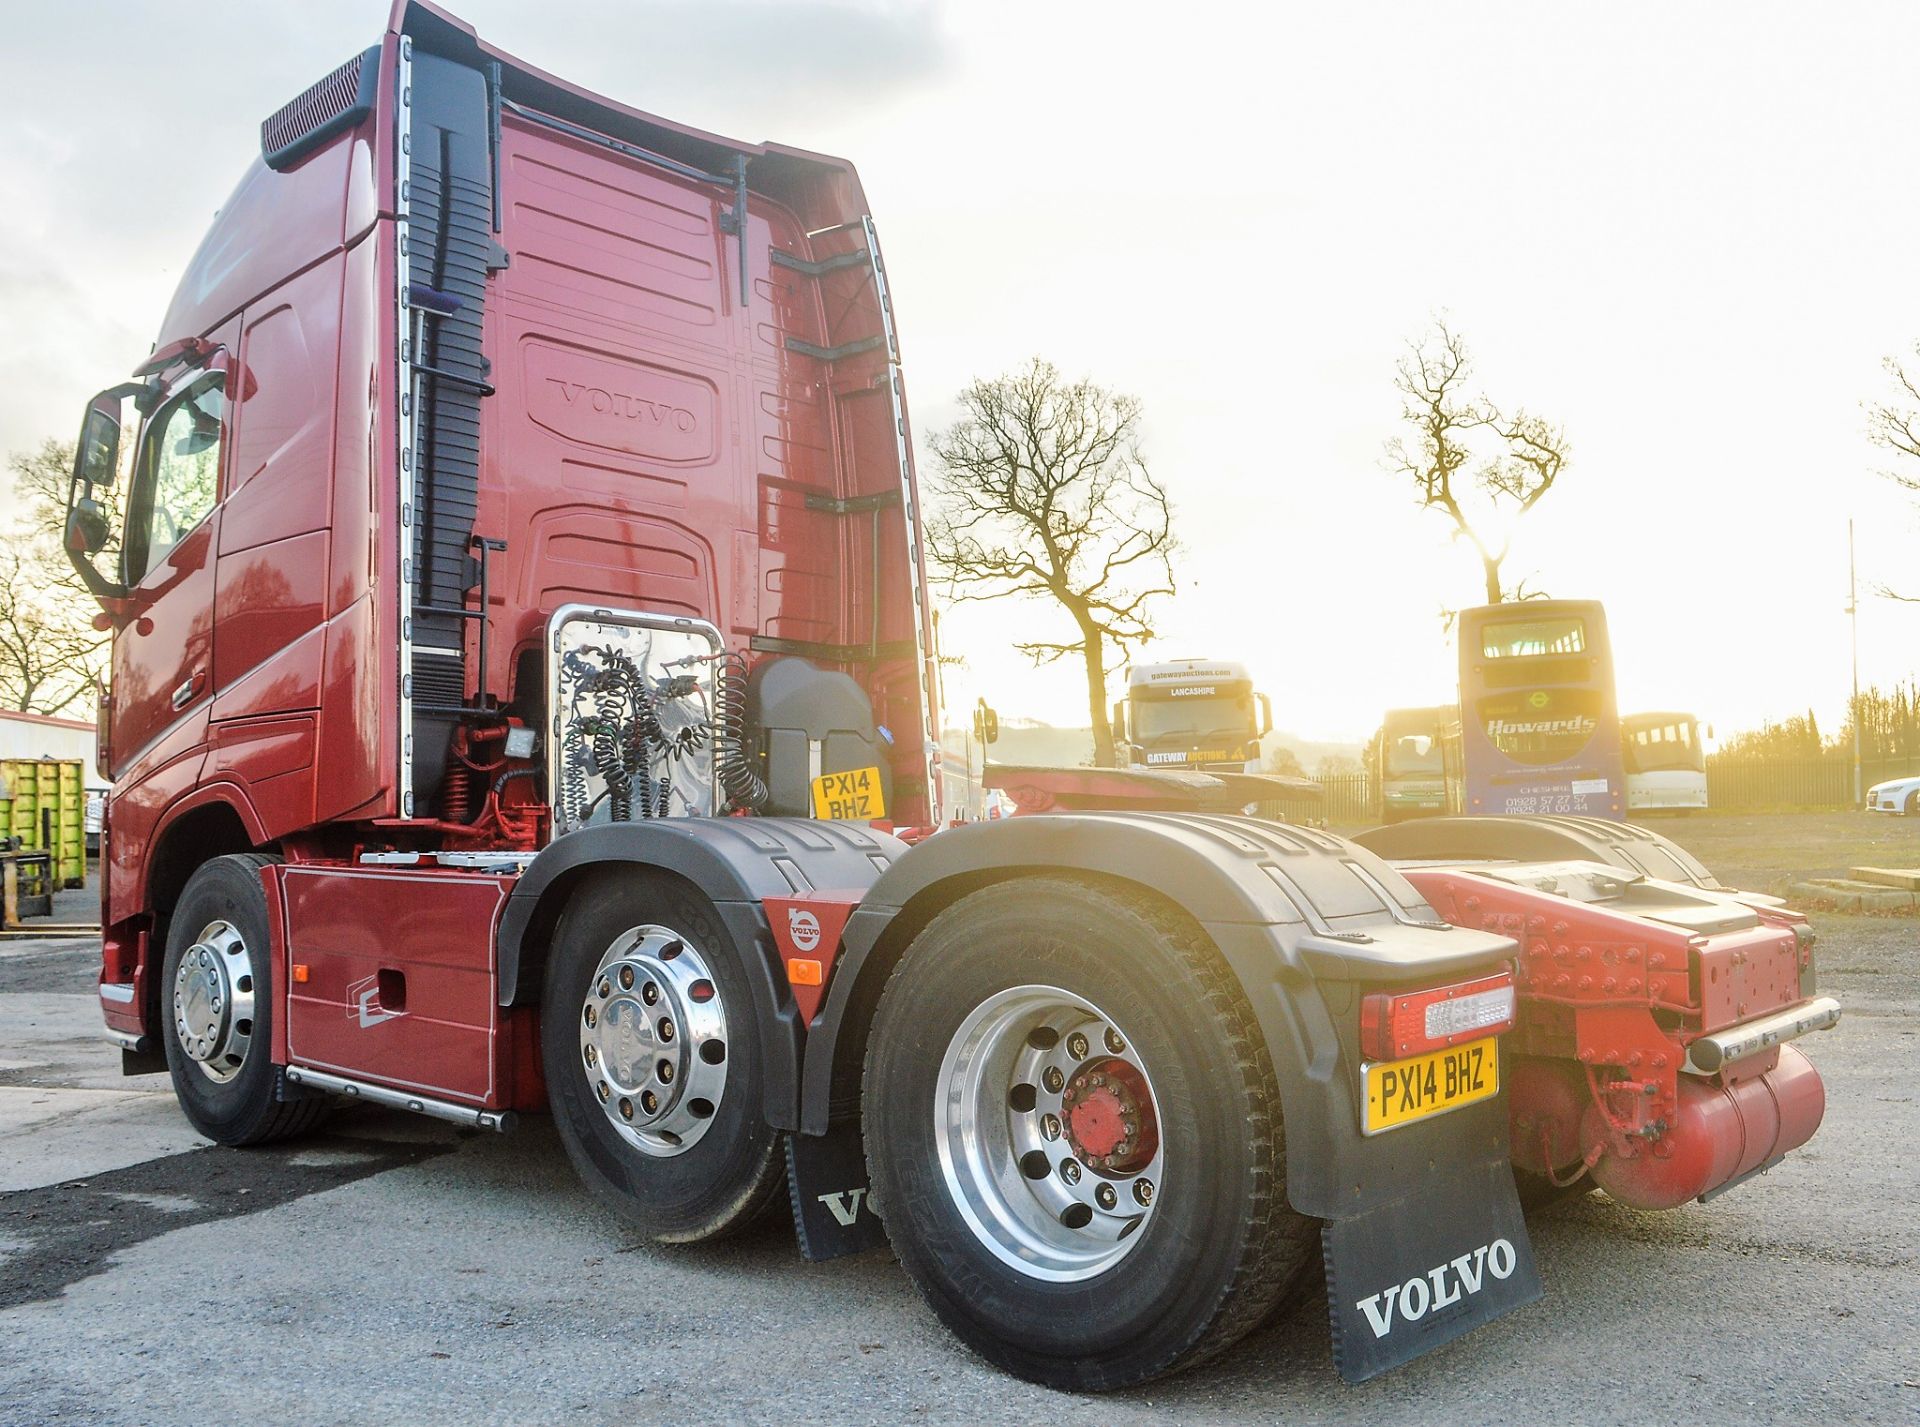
[(1114, 1043), (1077, 1046), (1070, 1170), (602, 1091), (650, 993), (1050, 1126), (593, 1055), (1105, 1195), (606, 987), (1099, 1080), (665, 1028), (665, 1071), (1143, 1191), (593, 1016), (649, 1101), (626, 978), (626, 1108), (1053, 1079)]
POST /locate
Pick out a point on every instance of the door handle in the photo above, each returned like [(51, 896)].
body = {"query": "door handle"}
[(183, 695)]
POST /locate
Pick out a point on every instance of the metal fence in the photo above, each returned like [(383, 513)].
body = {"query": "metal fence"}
[(1737, 784), (1350, 799), (1734, 785)]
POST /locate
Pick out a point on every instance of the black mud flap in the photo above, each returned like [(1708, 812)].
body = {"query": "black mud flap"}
[(827, 1177), (1423, 1270)]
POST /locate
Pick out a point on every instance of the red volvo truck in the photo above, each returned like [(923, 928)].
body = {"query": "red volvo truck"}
[(521, 661)]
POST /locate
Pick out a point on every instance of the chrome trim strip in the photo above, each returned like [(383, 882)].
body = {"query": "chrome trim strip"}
[(407, 384), (903, 456), (500, 1120)]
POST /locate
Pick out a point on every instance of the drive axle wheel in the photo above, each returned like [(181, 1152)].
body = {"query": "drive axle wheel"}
[(650, 1051), (1039, 1077), (217, 1008), (1073, 1135)]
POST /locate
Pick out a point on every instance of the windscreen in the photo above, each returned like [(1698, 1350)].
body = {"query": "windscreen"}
[(1194, 718), (1413, 753)]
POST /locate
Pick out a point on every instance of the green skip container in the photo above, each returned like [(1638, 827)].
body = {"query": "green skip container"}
[(43, 804)]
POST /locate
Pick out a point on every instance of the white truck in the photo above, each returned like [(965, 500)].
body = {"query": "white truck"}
[(1201, 714)]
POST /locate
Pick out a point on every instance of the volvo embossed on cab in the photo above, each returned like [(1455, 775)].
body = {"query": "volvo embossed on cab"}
[(522, 670)]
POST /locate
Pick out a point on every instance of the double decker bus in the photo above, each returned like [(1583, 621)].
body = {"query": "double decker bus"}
[(1537, 729), (1407, 763), (1666, 762)]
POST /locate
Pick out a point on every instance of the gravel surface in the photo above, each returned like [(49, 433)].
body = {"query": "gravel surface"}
[(393, 1270)]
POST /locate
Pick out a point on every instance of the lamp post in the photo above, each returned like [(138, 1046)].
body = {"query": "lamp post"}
[(1853, 709)]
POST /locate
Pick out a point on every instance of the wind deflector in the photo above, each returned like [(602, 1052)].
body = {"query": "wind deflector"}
[(337, 103)]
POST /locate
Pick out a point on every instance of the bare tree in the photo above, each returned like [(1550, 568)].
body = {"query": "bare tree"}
[(1041, 491), (1894, 425), (50, 654), (1466, 458), (48, 660)]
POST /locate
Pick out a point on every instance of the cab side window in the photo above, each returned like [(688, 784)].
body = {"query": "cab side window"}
[(177, 479)]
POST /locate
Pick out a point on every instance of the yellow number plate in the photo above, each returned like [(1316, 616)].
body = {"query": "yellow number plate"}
[(1402, 1091), (854, 795)]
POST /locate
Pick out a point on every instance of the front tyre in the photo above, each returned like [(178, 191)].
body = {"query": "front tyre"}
[(1073, 1136), (651, 1058), (217, 1008)]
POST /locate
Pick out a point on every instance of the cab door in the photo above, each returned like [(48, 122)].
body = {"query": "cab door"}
[(163, 656)]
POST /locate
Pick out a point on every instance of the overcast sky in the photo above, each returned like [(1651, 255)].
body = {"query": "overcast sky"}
[(1687, 233)]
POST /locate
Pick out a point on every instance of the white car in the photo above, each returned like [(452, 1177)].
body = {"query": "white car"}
[(1897, 795)]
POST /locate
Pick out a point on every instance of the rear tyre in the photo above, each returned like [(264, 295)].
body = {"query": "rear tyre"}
[(1073, 1136), (652, 1060), (1913, 804), (217, 1008)]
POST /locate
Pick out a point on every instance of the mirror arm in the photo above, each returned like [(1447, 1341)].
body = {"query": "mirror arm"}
[(111, 594)]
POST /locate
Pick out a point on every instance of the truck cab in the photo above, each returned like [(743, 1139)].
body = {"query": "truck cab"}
[(1198, 714)]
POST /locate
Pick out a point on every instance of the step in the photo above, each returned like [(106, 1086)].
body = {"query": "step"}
[(1907, 879)]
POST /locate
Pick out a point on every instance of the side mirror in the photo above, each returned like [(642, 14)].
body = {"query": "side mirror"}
[(96, 458), (1266, 715), (96, 464), (87, 528), (1119, 723), (986, 723)]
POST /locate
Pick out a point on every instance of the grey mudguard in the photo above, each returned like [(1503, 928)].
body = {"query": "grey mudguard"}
[(735, 862), (1542, 838)]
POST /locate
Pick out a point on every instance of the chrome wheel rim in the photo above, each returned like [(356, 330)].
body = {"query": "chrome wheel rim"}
[(1049, 1133), (653, 1040), (213, 1001)]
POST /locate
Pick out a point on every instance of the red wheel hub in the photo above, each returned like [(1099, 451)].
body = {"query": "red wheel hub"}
[(1109, 1117)]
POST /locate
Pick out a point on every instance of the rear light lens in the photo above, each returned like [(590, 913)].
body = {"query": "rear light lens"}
[(1395, 1026)]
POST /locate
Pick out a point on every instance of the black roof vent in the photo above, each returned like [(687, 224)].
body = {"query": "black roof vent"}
[(334, 105)]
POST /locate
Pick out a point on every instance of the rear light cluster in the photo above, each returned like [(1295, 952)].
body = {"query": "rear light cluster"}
[(1395, 1026)]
